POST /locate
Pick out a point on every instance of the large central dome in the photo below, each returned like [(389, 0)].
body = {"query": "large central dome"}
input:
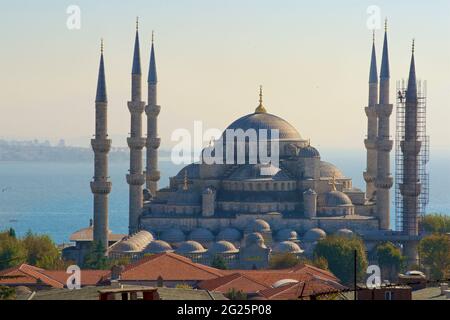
[(266, 121)]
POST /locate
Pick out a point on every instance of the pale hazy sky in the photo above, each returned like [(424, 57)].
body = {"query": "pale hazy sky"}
[(312, 57)]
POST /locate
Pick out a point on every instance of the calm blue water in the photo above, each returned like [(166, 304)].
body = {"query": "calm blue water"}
[(55, 198)]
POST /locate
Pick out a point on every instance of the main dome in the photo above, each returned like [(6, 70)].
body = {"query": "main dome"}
[(266, 121)]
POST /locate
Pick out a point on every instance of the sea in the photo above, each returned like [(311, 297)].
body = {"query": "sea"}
[(54, 198)]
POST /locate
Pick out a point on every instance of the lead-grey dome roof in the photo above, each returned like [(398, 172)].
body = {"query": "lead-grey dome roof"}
[(190, 247), (328, 170), (254, 238), (259, 172), (258, 225), (344, 233), (222, 247), (173, 235), (336, 199), (287, 247), (309, 152), (287, 235), (314, 234), (201, 235), (158, 246), (266, 121)]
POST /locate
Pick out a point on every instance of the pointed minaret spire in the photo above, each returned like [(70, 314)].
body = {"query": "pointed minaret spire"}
[(385, 72), (137, 56), (101, 83), (152, 76), (373, 75), (411, 93)]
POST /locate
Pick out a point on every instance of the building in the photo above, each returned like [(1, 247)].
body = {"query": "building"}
[(247, 210)]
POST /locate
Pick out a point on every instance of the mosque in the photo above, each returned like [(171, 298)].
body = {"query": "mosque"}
[(245, 212)]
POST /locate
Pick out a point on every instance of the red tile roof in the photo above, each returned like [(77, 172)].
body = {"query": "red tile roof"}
[(237, 281), (29, 276), (170, 267)]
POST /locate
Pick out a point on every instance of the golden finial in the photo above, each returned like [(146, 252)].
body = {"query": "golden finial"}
[(333, 183), (385, 25), (185, 183), (260, 108), (101, 45), (137, 23), (309, 142)]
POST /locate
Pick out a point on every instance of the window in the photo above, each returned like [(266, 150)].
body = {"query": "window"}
[(388, 295)]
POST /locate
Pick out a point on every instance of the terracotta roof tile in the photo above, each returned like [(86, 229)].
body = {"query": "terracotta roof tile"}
[(235, 281)]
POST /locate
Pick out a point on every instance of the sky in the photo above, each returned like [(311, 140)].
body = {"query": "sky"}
[(312, 58)]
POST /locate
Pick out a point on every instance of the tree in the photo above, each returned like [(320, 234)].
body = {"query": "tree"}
[(12, 232), (390, 259), (96, 257), (435, 253), (283, 261), (219, 263), (436, 223), (339, 252), (7, 293), (234, 294), (41, 251), (183, 286), (12, 251)]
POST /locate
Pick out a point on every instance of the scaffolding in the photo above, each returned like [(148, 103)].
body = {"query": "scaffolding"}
[(422, 159)]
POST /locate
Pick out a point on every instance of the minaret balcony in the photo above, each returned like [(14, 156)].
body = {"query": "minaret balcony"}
[(411, 147), (101, 145), (136, 106), (152, 110), (384, 183), (154, 175), (410, 189), (153, 143), (136, 142), (369, 178), (135, 179), (101, 187), (370, 112), (384, 145), (384, 110), (370, 144)]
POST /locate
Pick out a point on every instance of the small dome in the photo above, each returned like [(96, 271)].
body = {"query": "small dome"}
[(229, 234), (173, 235), (309, 152), (222, 247), (310, 192), (258, 225), (283, 282), (208, 190), (344, 233), (126, 246), (254, 238), (190, 247), (287, 247), (201, 235), (158, 246), (314, 234), (287, 235), (336, 199), (328, 170)]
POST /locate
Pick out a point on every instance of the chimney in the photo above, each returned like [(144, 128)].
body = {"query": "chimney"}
[(116, 272)]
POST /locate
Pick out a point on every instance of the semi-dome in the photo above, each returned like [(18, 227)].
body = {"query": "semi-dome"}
[(191, 170), (134, 243), (309, 152), (173, 235), (158, 246), (258, 225), (314, 234), (287, 235), (201, 235), (222, 247), (229, 234), (190, 247), (336, 199), (287, 247), (344, 233), (126, 246), (329, 170), (268, 122)]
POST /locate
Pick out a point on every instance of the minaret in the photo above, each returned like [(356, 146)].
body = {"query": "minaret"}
[(372, 126), (411, 188), (153, 141), (136, 142), (101, 186), (384, 180)]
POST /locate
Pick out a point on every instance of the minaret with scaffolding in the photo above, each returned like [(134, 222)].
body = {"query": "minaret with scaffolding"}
[(412, 156)]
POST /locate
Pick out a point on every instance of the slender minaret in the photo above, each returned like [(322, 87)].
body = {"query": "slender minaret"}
[(372, 126), (101, 186), (410, 146), (153, 141), (136, 142), (384, 179)]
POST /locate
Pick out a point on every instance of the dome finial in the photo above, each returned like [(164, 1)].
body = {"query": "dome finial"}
[(260, 108), (185, 182), (332, 183)]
